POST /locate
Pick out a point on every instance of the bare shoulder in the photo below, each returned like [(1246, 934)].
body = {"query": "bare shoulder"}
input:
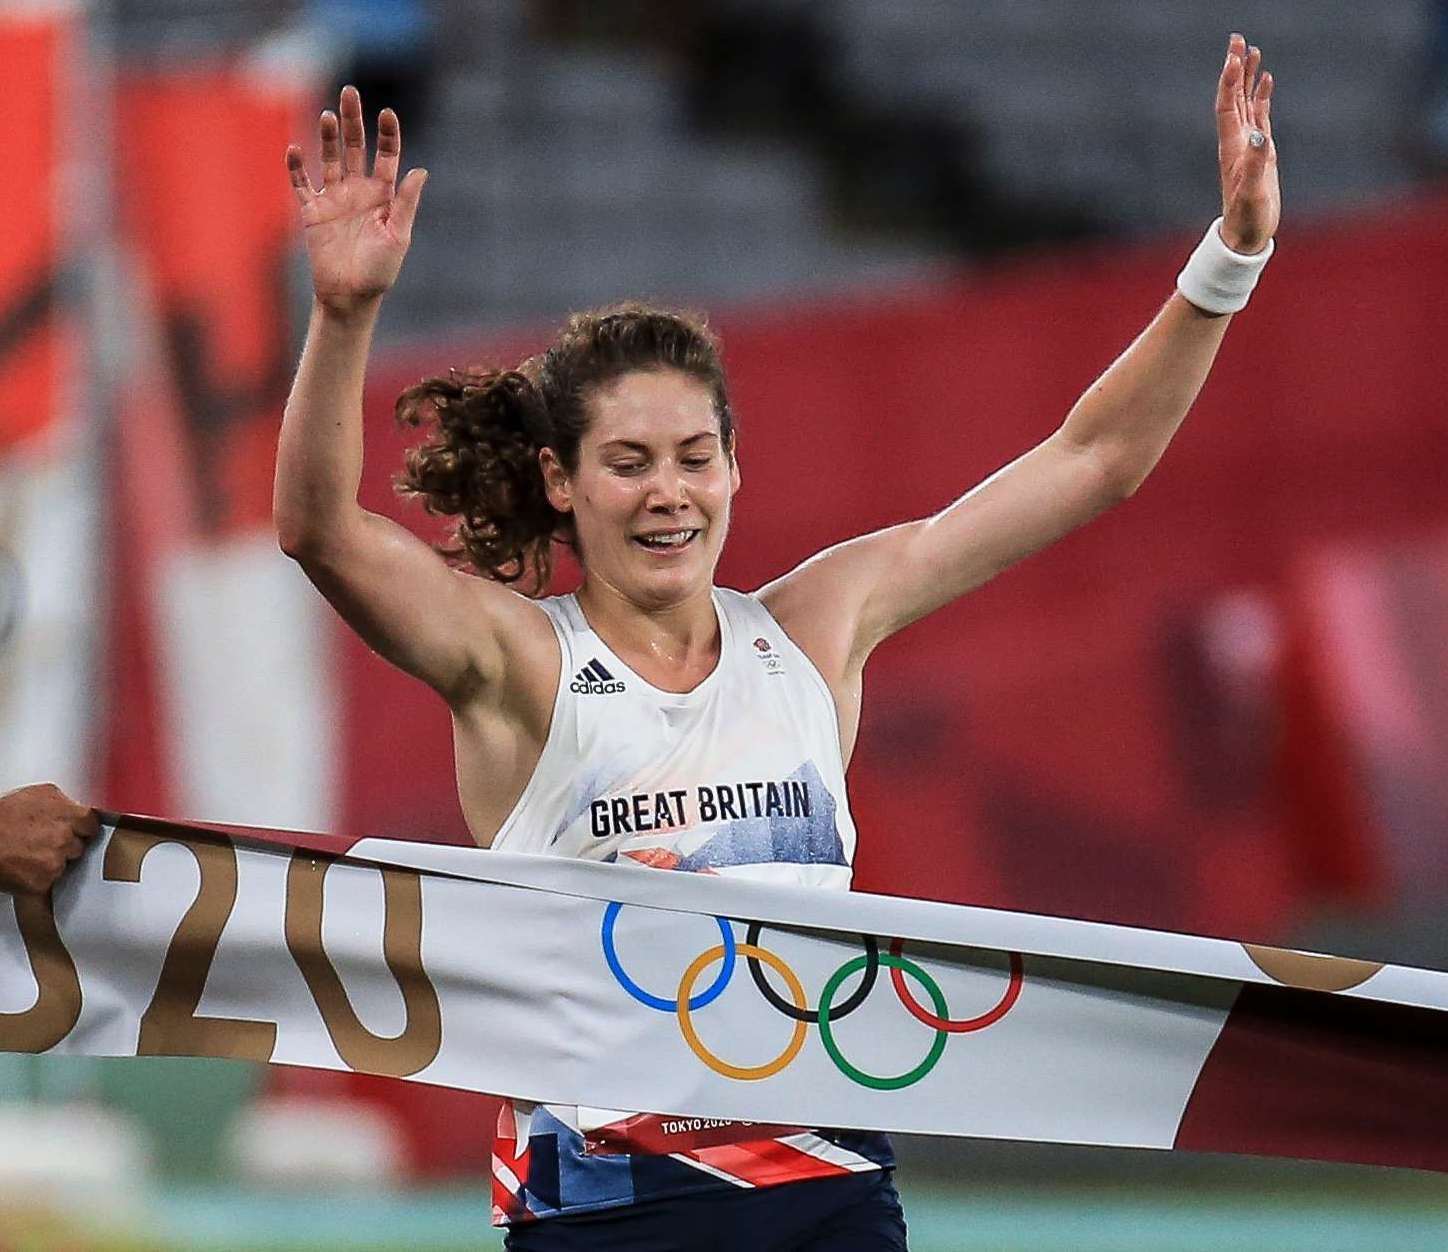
[(798, 601), (521, 651), (821, 603), (501, 727)]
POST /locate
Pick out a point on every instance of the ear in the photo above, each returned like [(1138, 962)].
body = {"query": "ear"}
[(734, 476), (556, 481)]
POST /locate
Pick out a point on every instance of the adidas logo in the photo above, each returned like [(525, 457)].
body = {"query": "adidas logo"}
[(594, 680)]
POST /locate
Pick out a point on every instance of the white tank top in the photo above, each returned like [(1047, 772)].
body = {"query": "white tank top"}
[(742, 775)]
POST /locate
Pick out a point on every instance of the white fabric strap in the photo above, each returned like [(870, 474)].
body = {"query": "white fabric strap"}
[(1218, 280)]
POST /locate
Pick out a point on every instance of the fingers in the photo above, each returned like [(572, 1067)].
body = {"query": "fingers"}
[(1262, 105), (331, 148), (1244, 92), (297, 172), (1237, 68), (389, 146), (1230, 113), (1249, 79), (404, 208), (344, 147), (354, 132), (73, 848), (87, 824)]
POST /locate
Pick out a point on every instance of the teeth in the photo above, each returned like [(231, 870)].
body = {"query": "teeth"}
[(672, 539)]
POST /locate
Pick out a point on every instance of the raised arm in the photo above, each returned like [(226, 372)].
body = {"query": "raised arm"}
[(391, 587), (844, 601)]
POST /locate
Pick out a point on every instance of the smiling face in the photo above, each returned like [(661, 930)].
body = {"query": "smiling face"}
[(652, 489)]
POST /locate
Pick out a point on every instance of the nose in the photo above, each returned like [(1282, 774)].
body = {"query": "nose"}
[(667, 492)]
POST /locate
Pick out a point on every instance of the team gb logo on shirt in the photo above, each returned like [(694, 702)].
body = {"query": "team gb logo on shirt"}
[(764, 650)]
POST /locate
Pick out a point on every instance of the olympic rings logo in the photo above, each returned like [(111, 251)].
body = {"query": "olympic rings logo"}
[(687, 1001)]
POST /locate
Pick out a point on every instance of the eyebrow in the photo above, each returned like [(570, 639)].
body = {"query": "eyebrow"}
[(633, 446)]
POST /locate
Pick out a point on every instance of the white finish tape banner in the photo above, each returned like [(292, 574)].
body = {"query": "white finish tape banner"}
[(605, 986)]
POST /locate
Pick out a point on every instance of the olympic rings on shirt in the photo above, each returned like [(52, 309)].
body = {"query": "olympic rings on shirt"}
[(684, 1004)]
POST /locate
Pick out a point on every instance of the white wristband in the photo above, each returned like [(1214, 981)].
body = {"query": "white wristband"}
[(1218, 280)]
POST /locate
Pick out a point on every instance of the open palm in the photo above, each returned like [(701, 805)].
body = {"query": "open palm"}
[(357, 227), (1251, 196)]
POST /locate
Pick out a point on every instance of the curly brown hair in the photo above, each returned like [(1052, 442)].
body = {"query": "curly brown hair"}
[(487, 426)]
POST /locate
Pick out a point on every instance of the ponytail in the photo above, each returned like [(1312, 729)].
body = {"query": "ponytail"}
[(480, 465)]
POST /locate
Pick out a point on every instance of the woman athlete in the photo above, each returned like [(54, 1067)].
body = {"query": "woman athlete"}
[(649, 681)]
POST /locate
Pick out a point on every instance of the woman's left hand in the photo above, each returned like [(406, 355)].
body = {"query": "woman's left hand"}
[(1251, 198)]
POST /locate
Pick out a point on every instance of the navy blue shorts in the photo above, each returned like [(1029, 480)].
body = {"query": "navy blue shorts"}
[(853, 1213)]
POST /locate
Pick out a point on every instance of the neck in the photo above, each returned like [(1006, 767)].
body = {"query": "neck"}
[(680, 633)]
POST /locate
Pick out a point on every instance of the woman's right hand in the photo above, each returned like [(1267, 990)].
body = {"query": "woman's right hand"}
[(358, 226)]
